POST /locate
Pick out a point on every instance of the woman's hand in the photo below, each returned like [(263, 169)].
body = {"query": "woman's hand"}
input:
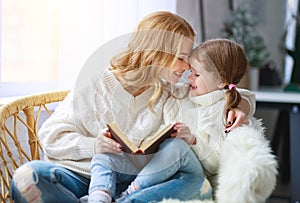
[(184, 133), (104, 143), (237, 116)]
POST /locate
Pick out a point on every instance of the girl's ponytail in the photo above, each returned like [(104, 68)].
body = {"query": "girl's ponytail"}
[(232, 98)]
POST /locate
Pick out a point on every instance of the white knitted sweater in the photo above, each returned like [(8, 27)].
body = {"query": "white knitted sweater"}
[(68, 135), (205, 115)]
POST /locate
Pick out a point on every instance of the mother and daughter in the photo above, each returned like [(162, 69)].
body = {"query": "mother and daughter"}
[(140, 93)]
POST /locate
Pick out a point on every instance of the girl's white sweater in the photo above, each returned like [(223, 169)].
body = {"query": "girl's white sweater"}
[(205, 115)]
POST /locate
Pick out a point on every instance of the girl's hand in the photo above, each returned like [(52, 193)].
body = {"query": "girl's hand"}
[(235, 118), (184, 133), (104, 143)]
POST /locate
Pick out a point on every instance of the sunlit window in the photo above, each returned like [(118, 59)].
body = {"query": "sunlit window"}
[(45, 43), (29, 40)]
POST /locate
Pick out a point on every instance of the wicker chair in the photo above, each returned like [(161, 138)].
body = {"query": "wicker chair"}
[(19, 123)]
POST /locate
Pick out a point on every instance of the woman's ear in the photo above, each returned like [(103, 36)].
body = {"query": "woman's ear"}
[(221, 85)]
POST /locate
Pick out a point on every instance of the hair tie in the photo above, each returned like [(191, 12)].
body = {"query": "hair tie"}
[(230, 86)]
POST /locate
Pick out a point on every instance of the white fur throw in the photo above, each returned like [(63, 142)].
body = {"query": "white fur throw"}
[(248, 169)]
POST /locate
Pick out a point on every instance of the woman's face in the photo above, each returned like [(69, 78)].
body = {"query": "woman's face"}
[(181, 64), (201, 80)]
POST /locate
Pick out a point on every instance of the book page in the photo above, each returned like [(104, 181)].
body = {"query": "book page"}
[(158, 137), (121, 138)]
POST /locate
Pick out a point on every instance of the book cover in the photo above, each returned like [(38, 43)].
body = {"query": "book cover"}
[(147, 147)]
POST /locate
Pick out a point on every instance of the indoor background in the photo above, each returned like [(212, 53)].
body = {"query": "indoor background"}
[(45, 43)]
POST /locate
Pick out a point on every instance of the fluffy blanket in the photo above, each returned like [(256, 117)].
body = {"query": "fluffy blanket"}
[(248, 169)]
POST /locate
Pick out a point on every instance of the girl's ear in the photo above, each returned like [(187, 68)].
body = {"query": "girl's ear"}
[(221, 85)]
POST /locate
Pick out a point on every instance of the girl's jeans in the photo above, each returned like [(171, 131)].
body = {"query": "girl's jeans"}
[(173, 172)]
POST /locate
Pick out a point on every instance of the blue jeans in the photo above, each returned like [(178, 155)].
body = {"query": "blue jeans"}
[(181, 186), (173, 172), (52, 183)]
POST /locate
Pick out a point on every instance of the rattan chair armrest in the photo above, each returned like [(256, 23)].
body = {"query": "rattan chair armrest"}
[(19, 143)]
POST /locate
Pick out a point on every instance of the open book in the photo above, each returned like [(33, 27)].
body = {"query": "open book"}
[(147, 147)]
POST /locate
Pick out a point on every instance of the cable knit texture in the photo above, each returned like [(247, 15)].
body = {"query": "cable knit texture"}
[(205, 115), (68, 135)]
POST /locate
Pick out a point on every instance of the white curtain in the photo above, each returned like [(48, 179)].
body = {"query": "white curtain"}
[(86, 25)]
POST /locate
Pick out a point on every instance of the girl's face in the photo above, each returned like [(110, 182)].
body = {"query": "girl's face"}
[(201, 80), (181, 63)]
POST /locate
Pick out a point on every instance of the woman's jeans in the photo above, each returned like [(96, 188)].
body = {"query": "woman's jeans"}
[(40, 181), (173, 172)]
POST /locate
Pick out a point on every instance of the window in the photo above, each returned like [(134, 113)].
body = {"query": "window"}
[(29, 44), (44, 43), (29, 41)]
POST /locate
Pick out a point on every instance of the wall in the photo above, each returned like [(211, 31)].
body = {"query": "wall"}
[(86, 26), (271, 19), (270, 15)]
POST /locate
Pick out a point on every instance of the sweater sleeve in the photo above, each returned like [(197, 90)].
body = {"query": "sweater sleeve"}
[(62, 139), (69, 134), (250, 98)]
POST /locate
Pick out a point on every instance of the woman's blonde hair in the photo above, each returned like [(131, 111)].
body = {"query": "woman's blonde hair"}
[(228, 61), (153, 46)]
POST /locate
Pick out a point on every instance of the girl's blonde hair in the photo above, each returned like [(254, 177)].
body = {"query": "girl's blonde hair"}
[(228, 61), (154, 45)]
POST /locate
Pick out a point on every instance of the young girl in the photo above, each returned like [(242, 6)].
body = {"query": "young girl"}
[(239, 164), (138, 93), (217, 66)]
